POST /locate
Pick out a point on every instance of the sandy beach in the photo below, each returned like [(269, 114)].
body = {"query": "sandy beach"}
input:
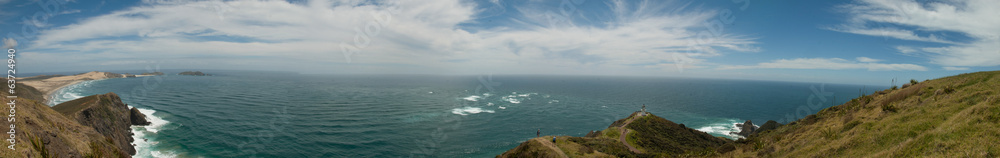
[(48, 84)]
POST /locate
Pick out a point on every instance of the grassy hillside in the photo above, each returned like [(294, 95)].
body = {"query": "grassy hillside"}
[(651, 135), (955, 116), (43, 132)]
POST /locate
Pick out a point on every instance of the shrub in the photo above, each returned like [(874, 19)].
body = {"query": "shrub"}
[(913, 81), (829, 133), (894, 87), (889, 107)]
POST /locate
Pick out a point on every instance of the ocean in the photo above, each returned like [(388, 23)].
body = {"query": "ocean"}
[(266, 114)]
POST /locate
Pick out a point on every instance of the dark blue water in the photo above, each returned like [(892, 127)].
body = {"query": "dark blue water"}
[(241, 114)]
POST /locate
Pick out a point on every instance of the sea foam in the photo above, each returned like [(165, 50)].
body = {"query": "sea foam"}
[(472, 98), (469, 110), (145, 136), (728, 128)]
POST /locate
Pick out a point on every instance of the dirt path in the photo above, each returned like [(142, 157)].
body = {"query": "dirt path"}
[(625, 133), (548, 143)]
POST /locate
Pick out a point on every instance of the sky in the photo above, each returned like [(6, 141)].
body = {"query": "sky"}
[(851, 42)]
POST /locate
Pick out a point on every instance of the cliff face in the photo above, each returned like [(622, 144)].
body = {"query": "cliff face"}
[(43, 132), (107, 115)]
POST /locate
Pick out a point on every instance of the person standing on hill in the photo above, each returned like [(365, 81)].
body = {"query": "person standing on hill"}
[(538, 133)]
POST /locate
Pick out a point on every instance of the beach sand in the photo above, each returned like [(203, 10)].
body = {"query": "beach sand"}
[(48, 85)]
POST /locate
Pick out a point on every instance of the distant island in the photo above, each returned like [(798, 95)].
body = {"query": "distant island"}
[(193, 73), (956, 116), (153, 73)]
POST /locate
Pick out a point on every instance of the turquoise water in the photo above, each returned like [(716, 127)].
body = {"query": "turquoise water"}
[(258, 114)]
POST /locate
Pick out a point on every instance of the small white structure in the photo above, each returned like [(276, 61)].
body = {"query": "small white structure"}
[(643, 111)]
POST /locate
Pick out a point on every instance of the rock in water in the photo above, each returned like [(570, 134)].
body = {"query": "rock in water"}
[(137, 118), (747, 128)]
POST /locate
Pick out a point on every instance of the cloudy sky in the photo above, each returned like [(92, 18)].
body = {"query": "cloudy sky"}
[(855, 42)]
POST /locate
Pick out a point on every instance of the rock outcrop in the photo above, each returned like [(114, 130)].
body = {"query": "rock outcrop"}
[(106, 114), (137, 118), (746, 128)]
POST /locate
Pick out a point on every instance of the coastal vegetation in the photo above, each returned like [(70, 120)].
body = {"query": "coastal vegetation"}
[(92, 126), (956, 116)]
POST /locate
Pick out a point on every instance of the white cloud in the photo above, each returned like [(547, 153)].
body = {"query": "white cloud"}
[(906, 49), (890, 32), (827, 64), (903, 19), (421, 34), (9, 43), (867, 60), (954, 68)]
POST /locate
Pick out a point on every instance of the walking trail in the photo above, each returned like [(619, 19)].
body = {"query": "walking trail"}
[(550, 145), (625, 133)]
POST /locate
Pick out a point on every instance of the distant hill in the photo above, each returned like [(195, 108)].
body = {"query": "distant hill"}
[(957, 116)]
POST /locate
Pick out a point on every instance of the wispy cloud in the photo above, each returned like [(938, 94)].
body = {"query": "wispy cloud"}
[(828, 64), (902, 19), (420, 35), (949, 68)]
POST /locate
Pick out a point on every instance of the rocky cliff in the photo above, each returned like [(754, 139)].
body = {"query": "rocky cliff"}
[(40, 131), (107, 115)]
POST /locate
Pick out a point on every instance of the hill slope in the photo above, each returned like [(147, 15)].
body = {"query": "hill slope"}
[(43, 132), (957, 116), (649, 135)]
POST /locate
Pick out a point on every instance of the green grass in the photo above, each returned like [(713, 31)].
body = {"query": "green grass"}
[(953, 116)]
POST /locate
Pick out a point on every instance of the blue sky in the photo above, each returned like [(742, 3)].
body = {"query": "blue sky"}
[(854, 42)]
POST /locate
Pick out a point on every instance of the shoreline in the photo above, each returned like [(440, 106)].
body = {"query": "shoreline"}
[(48, 86)]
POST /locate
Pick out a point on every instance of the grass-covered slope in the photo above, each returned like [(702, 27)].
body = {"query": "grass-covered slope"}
[(662, 137), (651, 135), (957, 116), (43, 132)]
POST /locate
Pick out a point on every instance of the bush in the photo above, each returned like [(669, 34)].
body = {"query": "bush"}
[(913, 81), (829, 133), (894, 87), (889, 107)]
